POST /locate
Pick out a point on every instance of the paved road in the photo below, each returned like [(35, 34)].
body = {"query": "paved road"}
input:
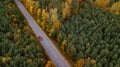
[(51, 50)]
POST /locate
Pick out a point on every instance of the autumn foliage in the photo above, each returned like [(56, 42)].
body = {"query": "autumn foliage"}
[(86, 29)]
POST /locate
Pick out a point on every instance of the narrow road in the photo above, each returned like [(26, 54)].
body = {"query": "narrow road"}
[(51, 50)]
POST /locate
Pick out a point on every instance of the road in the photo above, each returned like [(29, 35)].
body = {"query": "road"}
[(49, 47)]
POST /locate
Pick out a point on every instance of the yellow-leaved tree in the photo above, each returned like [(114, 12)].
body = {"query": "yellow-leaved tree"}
[(44, 15), (69, 36), (57, 25), (80, 63), (53, 15), (38, 12), (50, 64), (115, 7), (38, 15), (36, 9), (102, 3), (58, 37), (51, 31), (29, 3), (44, 18), (43, 25), (6, 59), (64, 43), (31, 10), (66, 9), (75, 6)]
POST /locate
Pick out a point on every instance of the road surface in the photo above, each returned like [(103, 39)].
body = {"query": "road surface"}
[(51, 50)]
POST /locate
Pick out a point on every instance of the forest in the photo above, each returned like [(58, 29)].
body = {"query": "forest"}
[(88, 31)]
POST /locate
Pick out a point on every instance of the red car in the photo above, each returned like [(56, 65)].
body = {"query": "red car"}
[(40, 38)]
